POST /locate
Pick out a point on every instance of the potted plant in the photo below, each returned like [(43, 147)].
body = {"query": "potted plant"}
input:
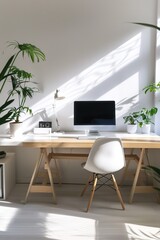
[(20, 91), (154, 172), (145, 119), (20, 80), (131, 119)]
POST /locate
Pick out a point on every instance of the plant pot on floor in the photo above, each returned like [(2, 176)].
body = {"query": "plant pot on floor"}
[(16, 129)]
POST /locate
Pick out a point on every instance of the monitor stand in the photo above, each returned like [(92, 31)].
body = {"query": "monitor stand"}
[(92, 133)]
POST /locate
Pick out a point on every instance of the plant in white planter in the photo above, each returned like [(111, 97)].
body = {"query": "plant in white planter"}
[(131, 119), (21, 85), (20, 90), (145, 118)]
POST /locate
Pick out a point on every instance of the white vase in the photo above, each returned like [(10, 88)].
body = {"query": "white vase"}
[(146, 129), (132, 128), (16, 129)]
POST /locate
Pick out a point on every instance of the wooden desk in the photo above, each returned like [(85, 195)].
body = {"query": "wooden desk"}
[(140, 141)]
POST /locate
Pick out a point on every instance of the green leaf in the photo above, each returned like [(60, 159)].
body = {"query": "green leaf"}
[(5, 105), (6, 68), (147, 25), (14, 82), (20, 73), (32, 51), (6, 118), (153, 111), (153, 171), (153, 87)]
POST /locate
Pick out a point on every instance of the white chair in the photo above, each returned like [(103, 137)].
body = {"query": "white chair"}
[(105, 158)]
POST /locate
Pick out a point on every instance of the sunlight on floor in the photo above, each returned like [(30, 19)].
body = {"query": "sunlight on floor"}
[(69, 227), (9, 213), (138, 232)]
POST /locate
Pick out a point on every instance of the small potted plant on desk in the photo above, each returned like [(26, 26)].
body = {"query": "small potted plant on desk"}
[(131, 120), (145, 119), (20, 83)]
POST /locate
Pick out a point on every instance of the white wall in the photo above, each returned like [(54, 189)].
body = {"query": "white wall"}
[(93, 51)]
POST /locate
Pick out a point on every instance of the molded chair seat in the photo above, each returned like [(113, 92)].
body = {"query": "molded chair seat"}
[(105, 158)]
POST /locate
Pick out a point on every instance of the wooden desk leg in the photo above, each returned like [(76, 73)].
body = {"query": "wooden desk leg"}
[(57, 167), (38, 162), (137, 175), (49, 174), (39, 188)]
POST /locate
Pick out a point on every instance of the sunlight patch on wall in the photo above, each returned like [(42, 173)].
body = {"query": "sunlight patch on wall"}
[(103, 77), (138, 232), (158, 60), (158, 33), (157, 70), (69, 227), (102, 69), (96, 73), (130, 94)]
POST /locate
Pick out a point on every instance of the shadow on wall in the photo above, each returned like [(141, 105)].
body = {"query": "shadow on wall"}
[(117, 76)]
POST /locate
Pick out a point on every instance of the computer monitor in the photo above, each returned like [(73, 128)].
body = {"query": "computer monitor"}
[(94, 116)]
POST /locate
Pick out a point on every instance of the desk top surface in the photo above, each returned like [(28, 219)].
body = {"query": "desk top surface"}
[(74, 140)]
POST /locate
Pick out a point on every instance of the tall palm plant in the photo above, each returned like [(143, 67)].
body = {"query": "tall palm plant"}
[(19, 80), (153, 171)]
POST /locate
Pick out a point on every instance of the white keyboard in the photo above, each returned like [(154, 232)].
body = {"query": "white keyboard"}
[(67, 135), (75, 135), (90, 137)]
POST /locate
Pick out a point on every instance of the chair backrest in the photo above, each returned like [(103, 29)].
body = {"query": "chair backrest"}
[(106, 156)]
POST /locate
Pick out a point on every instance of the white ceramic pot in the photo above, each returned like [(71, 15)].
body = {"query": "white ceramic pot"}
[(16, 129), (146, 129), (132, 128)]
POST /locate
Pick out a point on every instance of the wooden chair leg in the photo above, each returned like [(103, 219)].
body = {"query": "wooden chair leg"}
[(86, 186), (118, 192), (92, 192)]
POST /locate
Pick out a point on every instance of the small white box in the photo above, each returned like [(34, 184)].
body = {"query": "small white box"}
[(42, 130)]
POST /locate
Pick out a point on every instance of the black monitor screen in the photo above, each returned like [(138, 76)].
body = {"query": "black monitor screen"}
[(94, 113)]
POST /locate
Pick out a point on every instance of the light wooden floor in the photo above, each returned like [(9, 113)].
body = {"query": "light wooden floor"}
[(40, 219)]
